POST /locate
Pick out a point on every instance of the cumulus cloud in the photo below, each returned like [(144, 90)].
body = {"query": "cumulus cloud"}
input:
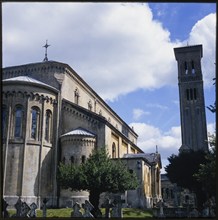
[(204, 32), (150, 136), (117, 49), (168, 143)]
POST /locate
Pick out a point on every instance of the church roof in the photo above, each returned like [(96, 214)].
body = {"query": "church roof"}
[(28, 80), (80, 132), (152, 158)]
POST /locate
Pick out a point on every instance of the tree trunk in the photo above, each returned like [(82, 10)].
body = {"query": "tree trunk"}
[(94, 197)]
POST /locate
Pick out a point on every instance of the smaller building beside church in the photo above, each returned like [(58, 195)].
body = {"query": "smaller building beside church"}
[(175, 196)]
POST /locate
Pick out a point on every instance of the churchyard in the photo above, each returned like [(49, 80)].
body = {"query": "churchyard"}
[(111, 209), (22, 209)]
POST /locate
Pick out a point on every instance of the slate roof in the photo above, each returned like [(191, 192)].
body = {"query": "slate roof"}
[(28, 80), (80, 132), (152, 158)]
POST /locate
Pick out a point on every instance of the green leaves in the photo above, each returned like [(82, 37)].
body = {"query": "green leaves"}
[(99, 173)]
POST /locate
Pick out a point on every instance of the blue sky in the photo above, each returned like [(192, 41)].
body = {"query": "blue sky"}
[(125, 53)]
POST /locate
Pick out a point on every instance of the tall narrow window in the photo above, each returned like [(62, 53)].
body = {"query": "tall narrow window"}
[(113, 150), (76, 96), (186, 68), (35, 123), (83, 159), (90, 105), (72, 159), (18, 122), (193, 67), (191, 94), (48, 126), (195, 94)]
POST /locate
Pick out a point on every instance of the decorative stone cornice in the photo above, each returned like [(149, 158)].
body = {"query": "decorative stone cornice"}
[(31, 95)]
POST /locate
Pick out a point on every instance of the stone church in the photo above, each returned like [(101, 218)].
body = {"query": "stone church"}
[(50, 114)]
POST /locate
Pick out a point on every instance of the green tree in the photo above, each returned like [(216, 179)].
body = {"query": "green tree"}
[(97, 175), (181, 170), (206, 174)]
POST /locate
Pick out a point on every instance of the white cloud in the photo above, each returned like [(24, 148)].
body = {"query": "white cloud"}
[(138, 113), (150, 136), (204, 32), (117, 48)]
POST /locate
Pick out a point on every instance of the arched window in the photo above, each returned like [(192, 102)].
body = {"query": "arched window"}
[(113, 150), (72, 159), (35, 123), (18, 121), (48, 125), (83, 159)]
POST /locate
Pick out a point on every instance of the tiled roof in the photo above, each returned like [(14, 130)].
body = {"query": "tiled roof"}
[(150, 157), (80, 132)]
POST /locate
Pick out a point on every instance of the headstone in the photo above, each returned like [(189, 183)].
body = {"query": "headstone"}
[(117, 207), (18, 207), (32, 212), (76, 210), (160, 204), (107, 205), (44, 207), (24, 210), (5, 212), (87, 208), (194, 213)]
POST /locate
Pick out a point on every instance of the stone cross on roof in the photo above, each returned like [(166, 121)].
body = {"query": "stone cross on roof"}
[(46, 46)]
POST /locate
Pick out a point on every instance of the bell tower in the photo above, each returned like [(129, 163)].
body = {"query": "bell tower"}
[(191, 95)]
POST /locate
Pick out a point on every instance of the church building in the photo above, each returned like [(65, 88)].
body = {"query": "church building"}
[(50, 114)]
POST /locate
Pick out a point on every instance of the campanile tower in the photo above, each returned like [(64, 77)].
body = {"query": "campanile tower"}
[(191, 95)]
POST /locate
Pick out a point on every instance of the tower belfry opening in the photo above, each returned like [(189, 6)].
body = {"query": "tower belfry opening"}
[(191, 95)]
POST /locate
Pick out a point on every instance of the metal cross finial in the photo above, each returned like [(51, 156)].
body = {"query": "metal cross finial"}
[(46, 46)]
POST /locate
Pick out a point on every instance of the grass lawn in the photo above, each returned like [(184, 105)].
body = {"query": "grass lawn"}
[(66, 212)]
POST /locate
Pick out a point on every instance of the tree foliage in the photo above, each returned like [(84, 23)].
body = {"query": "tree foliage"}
[(97, 175), (181, 170), (206, 174)]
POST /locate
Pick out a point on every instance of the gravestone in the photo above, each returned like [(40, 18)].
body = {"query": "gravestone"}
[(5, 212), (76, 210), (24, 210), (160, 204), (44, 207), (87, 208), (107, 204), (32, 212), (117, 207), (18, 208), (194, 213)]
